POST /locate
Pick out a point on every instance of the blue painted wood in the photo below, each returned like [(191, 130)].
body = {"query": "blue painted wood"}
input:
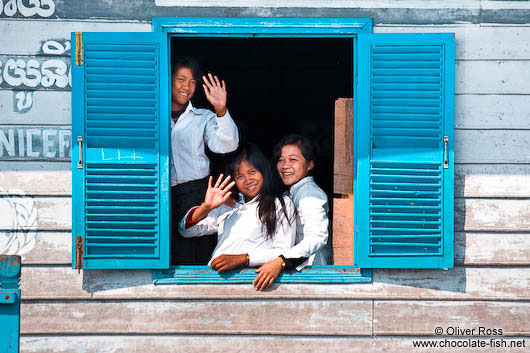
[(314, 274), (404, 196), (9, 303), (262, 27), (120, 107)]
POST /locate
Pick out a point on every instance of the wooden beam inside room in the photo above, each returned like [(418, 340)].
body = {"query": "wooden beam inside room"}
[(343, 183)]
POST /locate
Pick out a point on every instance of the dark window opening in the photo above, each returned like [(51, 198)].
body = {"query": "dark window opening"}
[(278, 86)]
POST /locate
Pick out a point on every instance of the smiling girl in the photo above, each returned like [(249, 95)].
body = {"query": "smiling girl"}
[(258, 229), (295, 161)]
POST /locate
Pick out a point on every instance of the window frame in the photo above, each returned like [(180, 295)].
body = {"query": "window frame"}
[(268, 28)]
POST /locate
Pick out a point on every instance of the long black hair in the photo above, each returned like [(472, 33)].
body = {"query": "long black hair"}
[(270, 190)]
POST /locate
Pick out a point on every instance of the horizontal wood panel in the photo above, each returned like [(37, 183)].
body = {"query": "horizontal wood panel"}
[(506, 77), (402, 12), (504, 42), (22, 213), (237, 317), (472, 180), (46, 178), (50, 248), (492, 111), (471, 111), (36, 107), (274, 344), (35, 37), (55, 178), (421, 318), (492, 146), (54, 213), (459, 283), (492, 215), (492, 248)]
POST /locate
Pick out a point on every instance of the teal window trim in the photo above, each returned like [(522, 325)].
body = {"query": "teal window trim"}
[(268, 28), (316, 274), (261, 26)]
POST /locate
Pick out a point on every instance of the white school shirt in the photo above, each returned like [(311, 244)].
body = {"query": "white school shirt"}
[(188, 135), (312, 223), (240, 231)]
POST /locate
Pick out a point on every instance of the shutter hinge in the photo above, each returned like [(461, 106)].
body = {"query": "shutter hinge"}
[(79, 48), (446, 161), (78, 253)]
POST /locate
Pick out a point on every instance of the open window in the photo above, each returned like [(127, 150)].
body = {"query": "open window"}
[(402, 88)]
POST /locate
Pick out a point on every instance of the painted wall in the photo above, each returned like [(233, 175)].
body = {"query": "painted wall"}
[(121, 311)]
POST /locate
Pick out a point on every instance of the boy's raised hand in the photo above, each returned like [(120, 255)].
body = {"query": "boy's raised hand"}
[(216, 93)]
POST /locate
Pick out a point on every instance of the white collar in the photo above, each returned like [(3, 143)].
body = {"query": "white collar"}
[(299, 183)]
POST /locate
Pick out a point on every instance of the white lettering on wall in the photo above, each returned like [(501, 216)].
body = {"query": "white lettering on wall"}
[(64, 142), (53, 47), (35, 142), (47, 143), (28, 8), (23, 101), (35, 72), (7, 142)]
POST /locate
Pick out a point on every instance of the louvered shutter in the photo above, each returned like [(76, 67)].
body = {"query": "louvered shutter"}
[(404, 208), (120, 106)]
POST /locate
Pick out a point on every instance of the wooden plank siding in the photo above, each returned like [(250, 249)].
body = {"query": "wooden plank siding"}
[(225, 343), (122, 311)]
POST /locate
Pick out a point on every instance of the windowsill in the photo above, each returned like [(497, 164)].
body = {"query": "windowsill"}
[(315, 274)]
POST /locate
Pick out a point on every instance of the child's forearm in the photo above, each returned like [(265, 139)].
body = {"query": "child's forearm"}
[(200, 213)]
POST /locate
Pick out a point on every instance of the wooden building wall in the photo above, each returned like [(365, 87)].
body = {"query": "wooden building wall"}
[(122, 311)]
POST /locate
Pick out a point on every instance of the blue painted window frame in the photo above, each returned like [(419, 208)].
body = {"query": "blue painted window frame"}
[(271, 28)]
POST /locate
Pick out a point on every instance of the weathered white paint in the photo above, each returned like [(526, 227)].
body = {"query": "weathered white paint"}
[(471, 111), (47, 108), (492, 249), (492, 111), (370, 4), (422, 318), (480, 180), (63, 284), (492, 146), (308, 317), (46, 178), (492, 77), (233, 343), (503, 42), (471, 248), (495, 215), (53, 213), (470, 214), (29, 37), (54, 248), (503, 4)]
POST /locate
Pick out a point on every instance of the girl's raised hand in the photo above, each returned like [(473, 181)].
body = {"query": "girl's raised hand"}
[(217, 194), (215, 92)]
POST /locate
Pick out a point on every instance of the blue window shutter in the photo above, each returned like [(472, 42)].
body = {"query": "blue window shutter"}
[(120, 110), (404, 200)]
